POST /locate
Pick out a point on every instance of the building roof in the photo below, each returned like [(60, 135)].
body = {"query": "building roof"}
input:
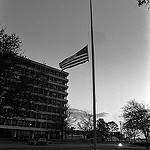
[(43, 65)]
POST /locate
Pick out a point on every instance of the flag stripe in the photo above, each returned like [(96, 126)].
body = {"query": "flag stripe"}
[(73, 65), (81, 53), (67, 59), (76, 59)]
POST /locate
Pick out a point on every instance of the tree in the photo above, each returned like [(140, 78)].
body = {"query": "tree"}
[(143, 2), (130, 131), (13, 85), (136, 117), (71, 118), (86, 123), (113, 127), (10, 47), (102, 129), (82, 120)]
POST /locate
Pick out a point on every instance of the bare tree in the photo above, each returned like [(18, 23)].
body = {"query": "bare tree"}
[(71, 118), (82, 120), (86, 123)]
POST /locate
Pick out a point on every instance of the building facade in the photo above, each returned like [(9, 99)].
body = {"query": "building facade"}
[(41, 106)]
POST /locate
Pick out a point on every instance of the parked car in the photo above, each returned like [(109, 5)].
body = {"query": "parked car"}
[(40, 141), (31, 142)]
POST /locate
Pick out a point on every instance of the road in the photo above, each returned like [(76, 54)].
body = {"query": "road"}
[(70, 147)]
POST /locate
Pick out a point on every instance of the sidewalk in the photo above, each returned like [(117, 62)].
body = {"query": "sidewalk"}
[(15, 144), (4, 144), (19, 145)]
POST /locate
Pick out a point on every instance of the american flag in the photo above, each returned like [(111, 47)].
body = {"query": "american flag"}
[(76, 59)]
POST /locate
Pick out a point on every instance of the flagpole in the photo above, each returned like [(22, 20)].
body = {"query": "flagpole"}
[(93, 79)]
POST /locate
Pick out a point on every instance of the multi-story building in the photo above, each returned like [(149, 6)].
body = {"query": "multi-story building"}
[(42, 105)]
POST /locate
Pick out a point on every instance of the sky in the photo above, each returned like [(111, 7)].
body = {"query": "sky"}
[(52, 30)]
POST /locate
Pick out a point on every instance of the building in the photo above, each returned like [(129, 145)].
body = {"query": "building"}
[(42, 105)]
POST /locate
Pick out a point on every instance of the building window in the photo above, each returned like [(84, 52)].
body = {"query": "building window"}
[(32, 114), (38, 124), (43, 125), (35, 90), (39, 107), (14, 122), (49, 117), (32, 123), (41, 91), (49, 109), (49, 125), (1, 121), (43, 116), (8, 122), (20, 123), (39, 116)]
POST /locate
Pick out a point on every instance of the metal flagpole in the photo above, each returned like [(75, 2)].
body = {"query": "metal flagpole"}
[(93, 78)]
